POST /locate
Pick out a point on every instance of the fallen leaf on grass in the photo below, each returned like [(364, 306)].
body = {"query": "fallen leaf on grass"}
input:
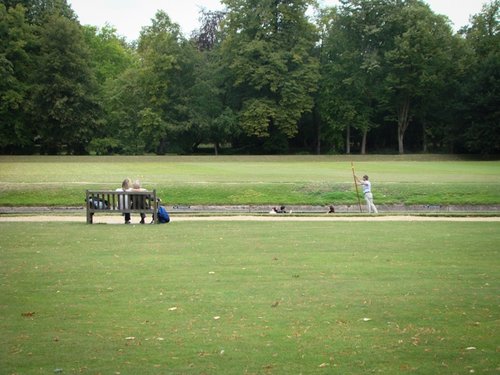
[(323, 365), (216, 317), (471, 348), (366, 319), (130, 338), (28, 314), (172, 308)]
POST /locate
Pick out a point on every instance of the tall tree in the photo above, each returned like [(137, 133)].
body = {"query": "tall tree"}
[(110, 58), (167, 75), (16, 64), (384, 58), (353, 51), (124, 101), (210, 105), (416, 61), (481, 86), (65, 110), (268, 51), (439, 111)]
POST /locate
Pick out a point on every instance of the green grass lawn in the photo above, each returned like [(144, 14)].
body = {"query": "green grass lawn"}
[(250, 298), (62, 180)]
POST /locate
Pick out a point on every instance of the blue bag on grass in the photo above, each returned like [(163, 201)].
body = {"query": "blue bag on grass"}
[(163, 216)]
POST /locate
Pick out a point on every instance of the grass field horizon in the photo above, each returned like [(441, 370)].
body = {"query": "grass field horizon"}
[(268, 180), (250, 298)]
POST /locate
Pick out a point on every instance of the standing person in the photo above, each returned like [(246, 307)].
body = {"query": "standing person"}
[(367, 191), (136, 186), (123, 202)]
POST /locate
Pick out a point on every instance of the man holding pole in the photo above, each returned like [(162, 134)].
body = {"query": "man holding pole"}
[(367, 191)]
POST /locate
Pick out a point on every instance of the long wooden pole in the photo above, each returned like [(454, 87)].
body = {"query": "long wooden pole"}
[(356, 185)]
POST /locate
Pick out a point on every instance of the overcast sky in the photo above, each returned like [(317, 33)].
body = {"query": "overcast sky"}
[(129, 16)]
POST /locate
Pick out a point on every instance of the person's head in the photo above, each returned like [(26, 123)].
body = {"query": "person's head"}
[(365, 177), (136, 184), (126, 184)]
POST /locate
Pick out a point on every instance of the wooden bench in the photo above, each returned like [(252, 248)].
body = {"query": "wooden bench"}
[(110, 201)]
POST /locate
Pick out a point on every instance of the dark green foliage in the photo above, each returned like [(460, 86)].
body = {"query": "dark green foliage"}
[(16, 64), (268, 52), (351, 71), (258, 77), (382, 59), (65, 110), (48, 95), (37, 10), (166, 76), (481, 91)]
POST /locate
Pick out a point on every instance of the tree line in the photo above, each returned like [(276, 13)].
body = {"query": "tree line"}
[(261, 76)]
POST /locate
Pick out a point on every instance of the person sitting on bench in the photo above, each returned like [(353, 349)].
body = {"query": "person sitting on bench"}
[(123, 201), (136, 186)]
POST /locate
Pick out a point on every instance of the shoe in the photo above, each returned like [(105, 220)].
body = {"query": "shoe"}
[(127, 222), (142, 221)]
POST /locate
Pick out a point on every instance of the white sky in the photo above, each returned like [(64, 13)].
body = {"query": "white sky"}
[(129, 16)]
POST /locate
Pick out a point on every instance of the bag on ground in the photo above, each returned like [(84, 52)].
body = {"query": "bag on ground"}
[(99, 203), (163, 216)]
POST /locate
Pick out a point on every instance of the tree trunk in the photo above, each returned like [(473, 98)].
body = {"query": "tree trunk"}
[(216, 148), (348, 140), (363, 142), (318, 133), (401, 147), (424, 137), (403, 122)]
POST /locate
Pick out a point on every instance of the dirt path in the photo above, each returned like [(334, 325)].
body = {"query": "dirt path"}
[(119, 220)]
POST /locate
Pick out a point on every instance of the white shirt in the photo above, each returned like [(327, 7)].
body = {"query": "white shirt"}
[(367, 186), (123, 200)]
